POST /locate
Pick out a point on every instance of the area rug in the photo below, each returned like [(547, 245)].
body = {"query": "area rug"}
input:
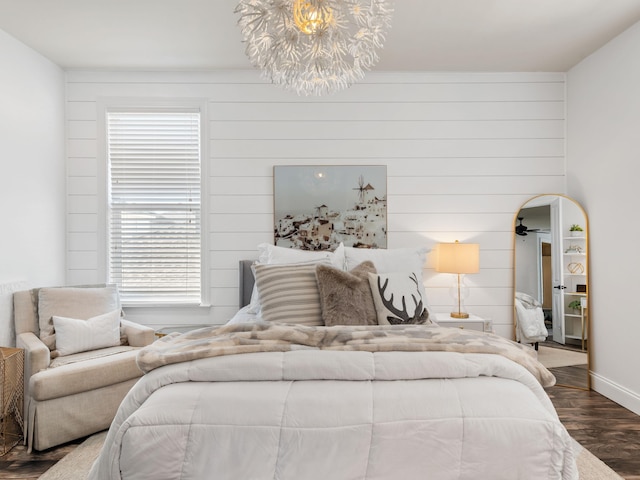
[(76, 465), (558, 357), (591, 467)]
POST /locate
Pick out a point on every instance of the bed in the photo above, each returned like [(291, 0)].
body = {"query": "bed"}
[(258, 399)]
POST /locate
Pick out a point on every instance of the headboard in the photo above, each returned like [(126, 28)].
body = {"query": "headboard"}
[(245, 282)]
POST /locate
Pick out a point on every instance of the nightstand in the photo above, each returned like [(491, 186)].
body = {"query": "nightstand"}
[(474, 322)]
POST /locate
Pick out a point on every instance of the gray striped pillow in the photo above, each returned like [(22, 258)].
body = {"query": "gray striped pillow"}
[(289, 293)]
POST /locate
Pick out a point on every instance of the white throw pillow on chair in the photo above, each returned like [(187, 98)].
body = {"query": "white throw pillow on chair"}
[(74, 336)]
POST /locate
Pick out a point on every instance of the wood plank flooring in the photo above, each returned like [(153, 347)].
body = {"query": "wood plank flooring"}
[(609, 431), (575, 376), (17, 464)]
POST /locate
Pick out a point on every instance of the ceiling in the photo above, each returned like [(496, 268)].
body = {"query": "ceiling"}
[(426, 35)]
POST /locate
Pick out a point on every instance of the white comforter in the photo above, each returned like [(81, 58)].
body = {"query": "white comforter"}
[(311, 414)]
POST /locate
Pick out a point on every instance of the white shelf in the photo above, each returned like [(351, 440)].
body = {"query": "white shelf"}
[(574, 253)]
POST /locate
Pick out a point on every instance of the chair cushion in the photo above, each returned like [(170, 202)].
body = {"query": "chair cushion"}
[(72, 302), (108, 367)]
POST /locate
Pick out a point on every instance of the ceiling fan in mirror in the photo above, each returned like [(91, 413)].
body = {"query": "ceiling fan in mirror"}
[(522, 229)]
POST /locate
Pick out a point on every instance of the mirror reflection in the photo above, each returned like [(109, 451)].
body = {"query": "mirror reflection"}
[(551, 285)]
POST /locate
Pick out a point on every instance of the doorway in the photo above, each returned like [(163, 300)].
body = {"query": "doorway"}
[(547, 299)]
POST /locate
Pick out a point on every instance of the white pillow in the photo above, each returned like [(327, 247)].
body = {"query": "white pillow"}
[(387, 260), (391, 260), (73, 335), (272, 255), (398, 298)]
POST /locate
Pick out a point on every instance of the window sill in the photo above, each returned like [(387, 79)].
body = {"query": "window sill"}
[(150, 305)]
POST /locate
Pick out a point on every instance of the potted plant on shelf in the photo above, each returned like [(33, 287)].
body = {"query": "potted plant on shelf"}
[(575, 305), (576, 230)]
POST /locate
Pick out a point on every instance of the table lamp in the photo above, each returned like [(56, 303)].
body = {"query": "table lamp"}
[(458, 258)]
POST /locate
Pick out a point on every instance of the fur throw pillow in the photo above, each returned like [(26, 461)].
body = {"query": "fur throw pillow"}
[(345, 297)]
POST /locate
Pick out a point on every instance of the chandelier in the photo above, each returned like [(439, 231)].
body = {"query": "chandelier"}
[(314, 47)]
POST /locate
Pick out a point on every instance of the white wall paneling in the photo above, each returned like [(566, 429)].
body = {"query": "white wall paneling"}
[(463, 152)]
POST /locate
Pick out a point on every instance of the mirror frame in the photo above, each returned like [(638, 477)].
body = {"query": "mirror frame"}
[(588, 278)]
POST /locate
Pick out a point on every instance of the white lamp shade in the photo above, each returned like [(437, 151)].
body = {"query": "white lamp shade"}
[(458, 258)]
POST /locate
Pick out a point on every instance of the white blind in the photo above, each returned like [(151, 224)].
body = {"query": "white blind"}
[(154, 205)]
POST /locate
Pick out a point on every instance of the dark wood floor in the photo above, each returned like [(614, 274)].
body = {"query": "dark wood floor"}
[(575, 376), (609, 431), (18, 464)]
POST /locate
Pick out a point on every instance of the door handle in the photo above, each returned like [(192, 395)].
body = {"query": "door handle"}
[(560, 287)]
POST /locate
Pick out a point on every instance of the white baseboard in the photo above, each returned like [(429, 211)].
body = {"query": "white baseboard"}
[(617, 393)]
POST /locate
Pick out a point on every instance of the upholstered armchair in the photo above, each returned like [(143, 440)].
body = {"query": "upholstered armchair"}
[(80, 360)]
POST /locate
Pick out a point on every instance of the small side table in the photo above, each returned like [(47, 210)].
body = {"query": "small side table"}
[(474, 322), (11, 397)]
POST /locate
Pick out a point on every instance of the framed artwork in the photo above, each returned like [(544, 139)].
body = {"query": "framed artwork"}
[(317, 207)]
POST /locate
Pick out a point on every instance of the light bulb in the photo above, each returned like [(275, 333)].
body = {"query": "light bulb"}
[(311, 18)]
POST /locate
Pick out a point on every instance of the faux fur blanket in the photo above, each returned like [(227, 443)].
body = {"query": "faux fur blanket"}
[(251, 338)]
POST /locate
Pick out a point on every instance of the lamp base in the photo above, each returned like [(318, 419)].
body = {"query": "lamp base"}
[(459, 315)]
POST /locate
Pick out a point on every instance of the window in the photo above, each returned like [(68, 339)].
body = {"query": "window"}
[(154, 205)]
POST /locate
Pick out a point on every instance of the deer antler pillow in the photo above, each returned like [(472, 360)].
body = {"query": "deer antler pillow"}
[(398, 298)]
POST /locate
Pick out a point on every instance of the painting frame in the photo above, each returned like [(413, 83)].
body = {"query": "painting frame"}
[(318, 207)]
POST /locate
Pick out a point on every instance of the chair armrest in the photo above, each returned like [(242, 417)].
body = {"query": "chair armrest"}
[(138, 335), (36, 354)]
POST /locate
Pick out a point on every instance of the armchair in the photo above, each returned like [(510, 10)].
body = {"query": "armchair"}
[(530, 327), (74, 394)]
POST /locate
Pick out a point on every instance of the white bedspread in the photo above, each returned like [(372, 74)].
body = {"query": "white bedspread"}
[(311, 414)]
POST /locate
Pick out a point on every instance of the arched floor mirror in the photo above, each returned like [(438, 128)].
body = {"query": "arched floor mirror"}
[(551, 285)]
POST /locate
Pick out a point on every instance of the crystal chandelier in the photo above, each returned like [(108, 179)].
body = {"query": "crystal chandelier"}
[(314, 47)]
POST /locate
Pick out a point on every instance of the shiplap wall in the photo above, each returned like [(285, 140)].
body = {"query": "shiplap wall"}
[(463, 152)]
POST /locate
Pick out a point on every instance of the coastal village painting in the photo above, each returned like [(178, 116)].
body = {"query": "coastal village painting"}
[(318, 207)]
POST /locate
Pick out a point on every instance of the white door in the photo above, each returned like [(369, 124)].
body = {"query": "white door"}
[(557, 277)]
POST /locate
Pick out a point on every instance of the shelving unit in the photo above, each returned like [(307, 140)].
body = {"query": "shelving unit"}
[(575, 274)]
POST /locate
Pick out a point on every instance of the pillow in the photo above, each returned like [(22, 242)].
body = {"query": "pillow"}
[(391, 260), (289, 293), (387, 260), (73, 302), (273, 255), (398, 298), (345, 297), (75, 335)]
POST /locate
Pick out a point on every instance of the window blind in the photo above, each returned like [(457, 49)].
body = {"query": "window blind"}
[(155, 205)]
